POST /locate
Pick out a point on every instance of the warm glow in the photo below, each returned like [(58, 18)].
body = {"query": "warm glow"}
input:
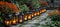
[(32, 15), (35, 14), (25, 18), (17, 19), (43, 10), (29, 17), (38, 13), (14, 21), (7, 22), (20, 20)]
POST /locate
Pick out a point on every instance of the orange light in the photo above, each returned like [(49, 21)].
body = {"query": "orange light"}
[(38, 13), (17, 20), (32, 15), (35, 14), (25, 18), (14, 21), (7, 22), (29, 17), (43, 10), (20, 20)]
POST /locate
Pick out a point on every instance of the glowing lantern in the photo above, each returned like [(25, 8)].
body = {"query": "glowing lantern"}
[(43, 10), (17, 19), (20, 20), (7, 22), (35, 14), (25, 17), (38, 13), (14, 21), (32, 15), (29, 16)]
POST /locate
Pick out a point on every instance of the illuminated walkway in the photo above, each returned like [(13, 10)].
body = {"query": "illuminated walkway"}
[(34, 21)]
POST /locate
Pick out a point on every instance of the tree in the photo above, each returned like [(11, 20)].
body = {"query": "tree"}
[(35, 4), (52, 1)]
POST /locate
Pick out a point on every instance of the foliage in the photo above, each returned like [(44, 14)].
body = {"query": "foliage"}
[(35, 4), (24, 8), (54, 22), (55, 17)]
